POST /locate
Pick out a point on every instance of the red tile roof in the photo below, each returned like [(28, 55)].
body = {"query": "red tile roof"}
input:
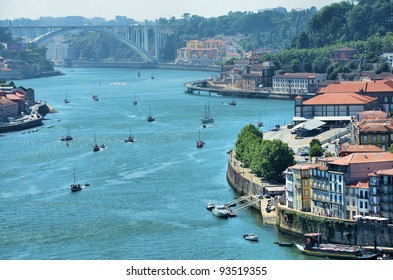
[(13, 97), (360, 185), (360, 86), (376, 127), (340, 98), (5, 101), (383, 172), (361, 149), (364, 158)]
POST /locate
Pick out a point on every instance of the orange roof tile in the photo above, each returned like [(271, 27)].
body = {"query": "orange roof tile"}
[(360, 185), (340, 98), (363, 158), (13, 97), (383, 172), (361, 148), (5, 101), (360, 86), (376, 127)]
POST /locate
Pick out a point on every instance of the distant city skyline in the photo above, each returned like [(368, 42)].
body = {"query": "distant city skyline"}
[(144, 9)]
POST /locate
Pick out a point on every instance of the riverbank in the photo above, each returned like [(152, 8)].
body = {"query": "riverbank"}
[(140, 65), (227, 90), (296, 223)]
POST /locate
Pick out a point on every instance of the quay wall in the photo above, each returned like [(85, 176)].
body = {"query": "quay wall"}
[(296, 223)]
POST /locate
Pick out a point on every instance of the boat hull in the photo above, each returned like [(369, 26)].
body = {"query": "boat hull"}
[(335, 254)]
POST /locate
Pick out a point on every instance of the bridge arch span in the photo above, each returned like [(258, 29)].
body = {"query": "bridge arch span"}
[(140, 51)]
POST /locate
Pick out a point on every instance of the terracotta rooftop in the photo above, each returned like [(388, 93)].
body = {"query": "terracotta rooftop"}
[(360, 86), (364, 158), (5, 101), (383, 172), (340, 98), (376, 125), (361, 149), (360, 185), (374, 114)]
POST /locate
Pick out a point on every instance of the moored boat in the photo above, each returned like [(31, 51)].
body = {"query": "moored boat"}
[(150, 117), (130, 138), (210, 206), (220, 211), (207, 117), (232, 103), (95, 97), (74, 186), (313, 246), (250, 237), (199, 142)]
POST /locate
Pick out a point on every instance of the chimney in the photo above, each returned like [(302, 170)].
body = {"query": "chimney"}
[(365, 90)]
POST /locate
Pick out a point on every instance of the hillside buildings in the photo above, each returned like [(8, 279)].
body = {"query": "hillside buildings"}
[(339, 187)]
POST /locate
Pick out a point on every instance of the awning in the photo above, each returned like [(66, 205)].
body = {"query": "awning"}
[(313, 124), (275, 189)]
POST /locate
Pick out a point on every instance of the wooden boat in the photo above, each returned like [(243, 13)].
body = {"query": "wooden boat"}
[(250, 237), (96, 148), (130, 138), (68, 137), (313, 246), (74, 186), (199, 142), (66, 100), (259, 123), (135, 102), (232, 103), (207, 117), (95, 97), (150, 117)]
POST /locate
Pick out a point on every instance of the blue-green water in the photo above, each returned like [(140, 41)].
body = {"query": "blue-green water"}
[(147, 199)]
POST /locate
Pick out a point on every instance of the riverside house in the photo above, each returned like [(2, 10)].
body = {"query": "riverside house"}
[(330, 186)]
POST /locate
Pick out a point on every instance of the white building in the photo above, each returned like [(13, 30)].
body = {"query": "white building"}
[(297, 83)]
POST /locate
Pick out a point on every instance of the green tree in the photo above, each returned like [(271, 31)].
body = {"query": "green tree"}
[(247, 142), (315, 148), (271, 159)]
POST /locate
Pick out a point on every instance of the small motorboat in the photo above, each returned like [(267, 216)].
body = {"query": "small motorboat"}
[(76, 187), (210, 206), (220, 211), (95, 97), (231, 214), (250, 237), (232, 103)]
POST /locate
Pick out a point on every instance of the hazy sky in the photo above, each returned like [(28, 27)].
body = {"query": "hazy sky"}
[(142, 9)]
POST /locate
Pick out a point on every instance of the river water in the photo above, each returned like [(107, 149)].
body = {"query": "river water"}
[(146, 200)]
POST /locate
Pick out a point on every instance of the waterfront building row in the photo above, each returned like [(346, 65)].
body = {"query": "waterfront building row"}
[(356, 184), (14, 101)]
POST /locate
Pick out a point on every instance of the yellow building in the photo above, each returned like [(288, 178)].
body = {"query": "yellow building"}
[(298, 187)]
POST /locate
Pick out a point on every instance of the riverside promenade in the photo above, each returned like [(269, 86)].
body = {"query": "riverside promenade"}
[(224, 89), (245, 182)]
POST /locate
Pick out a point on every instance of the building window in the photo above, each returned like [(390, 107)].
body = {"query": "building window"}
[(361, 204), (374, 138), (383, 138), (365, 138)]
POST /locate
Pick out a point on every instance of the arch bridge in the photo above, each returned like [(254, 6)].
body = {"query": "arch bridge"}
[(135, 37)]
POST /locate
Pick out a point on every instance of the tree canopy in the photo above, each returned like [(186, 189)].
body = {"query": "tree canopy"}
[(266, 158)]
